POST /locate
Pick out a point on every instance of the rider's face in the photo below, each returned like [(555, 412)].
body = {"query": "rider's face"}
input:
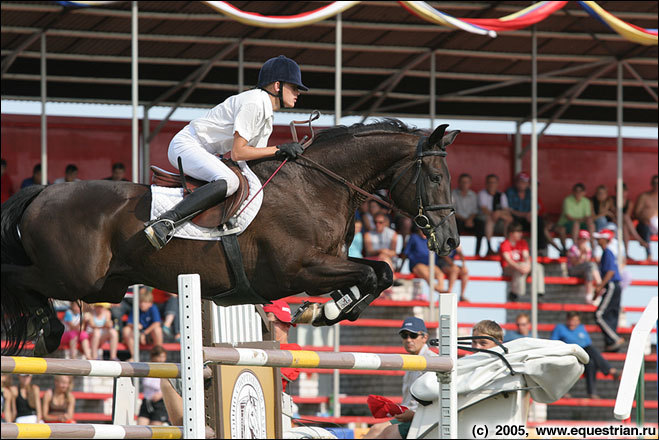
[(291, 92)]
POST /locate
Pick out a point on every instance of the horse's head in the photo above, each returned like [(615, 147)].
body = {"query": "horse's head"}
[(423, 189)]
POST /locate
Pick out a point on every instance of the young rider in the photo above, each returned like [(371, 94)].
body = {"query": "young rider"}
[(242, 125)]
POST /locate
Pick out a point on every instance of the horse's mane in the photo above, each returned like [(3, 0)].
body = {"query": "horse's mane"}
[(389, 124)]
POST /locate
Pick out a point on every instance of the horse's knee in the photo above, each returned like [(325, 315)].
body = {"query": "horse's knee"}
[(385, 277)]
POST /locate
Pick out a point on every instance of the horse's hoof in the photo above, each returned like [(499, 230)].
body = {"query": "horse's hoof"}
[(40, 349), (307, 313)]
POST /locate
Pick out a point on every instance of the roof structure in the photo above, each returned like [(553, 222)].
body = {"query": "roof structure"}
[(189, 54)]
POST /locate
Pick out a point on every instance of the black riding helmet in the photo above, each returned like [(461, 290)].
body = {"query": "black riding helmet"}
[(280, 69)]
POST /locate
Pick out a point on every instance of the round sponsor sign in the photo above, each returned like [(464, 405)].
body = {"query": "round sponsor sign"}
[(248, 416)]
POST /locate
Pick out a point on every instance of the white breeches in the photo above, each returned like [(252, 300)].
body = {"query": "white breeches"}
[(199, 163)]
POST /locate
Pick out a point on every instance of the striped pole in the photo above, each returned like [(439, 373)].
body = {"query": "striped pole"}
[(66, 430), (312, 359), (74, 367)]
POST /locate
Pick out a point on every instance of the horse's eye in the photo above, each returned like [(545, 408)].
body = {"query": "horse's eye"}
[(435, 178)]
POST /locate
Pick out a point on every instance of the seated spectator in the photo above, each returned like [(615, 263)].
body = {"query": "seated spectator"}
[(515, 261), (467, 211), (646, 214), (573, 332), (35, 179), (380, 244), (454, 271), (494, 206), (102, 330), (629, 231), (368, 217), (279, 313), (486, 328), (577, 214), (75, 336), (153, 410), (149, 324), (579, 264), (27, 400), (170, 323), (418, 255), (604, 208), (70, 174), (6, 186), (523, 323), (118, 172), (8, 406), (415, 336), (357, 245), (404, 232), (59, 403)]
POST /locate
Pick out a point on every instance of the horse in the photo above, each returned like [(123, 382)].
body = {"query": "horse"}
[(85, 241)]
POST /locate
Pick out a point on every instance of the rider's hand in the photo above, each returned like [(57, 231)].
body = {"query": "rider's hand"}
[(289, 151)]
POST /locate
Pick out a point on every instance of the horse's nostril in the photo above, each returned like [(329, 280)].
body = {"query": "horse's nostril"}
[(452, 243)]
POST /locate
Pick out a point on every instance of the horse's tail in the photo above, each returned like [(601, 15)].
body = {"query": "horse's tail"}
[(14, 309)]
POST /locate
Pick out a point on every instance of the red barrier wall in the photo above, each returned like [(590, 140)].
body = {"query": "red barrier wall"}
[(94, 144)]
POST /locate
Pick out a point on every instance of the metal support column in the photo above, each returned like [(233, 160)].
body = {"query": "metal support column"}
[(448, 395), (134, 80), (136, 340), (433, 90), (619, 170), (431, 288), (518, 149), (241, 66), (534, 184), (146, 147), (44, 125)]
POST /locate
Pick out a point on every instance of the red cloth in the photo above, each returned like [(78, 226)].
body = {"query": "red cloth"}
[(6, 187), (382, 407), (290, 374), (516, 251), (160, 296)]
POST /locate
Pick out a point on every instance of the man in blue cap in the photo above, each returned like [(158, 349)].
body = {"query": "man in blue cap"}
[(242, 125), (414, 334)]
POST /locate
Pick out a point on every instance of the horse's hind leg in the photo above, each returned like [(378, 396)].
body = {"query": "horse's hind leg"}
[(385, 278)]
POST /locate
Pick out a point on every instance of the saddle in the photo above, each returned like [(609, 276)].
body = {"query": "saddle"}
[(218, 214)]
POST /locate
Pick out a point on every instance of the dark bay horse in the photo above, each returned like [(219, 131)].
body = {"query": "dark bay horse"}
[(84, 240)]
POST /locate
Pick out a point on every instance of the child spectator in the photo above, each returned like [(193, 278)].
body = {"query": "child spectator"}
[(573, 332), (28, 403), (646, 214), (467, 211), (577, 214), (152, 410), (579, 263), (59, 403), (118, 172), (523, 322), (608, 311), (102, 330), (149, 325), (418, 255), (604, 208), (170, 323), (454, 271), (380, 244), (75, 336), (357, 245), (70, 174), (6, 185), (486, 328), (8, 406), (494, 205), (515, 261)]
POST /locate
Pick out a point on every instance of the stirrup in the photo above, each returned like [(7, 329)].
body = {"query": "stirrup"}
[(157, 241)]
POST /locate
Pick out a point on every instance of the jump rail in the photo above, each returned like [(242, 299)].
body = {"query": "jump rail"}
[(64, 430)]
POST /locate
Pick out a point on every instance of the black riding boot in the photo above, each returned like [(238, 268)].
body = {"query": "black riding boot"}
[(200, 199)]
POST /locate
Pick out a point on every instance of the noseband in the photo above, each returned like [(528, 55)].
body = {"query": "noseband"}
[(421, 219)]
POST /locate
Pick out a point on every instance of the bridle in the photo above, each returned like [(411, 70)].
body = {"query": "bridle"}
[(421, 219)]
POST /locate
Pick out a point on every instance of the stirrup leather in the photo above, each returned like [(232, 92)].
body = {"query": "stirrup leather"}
[(157, 241)]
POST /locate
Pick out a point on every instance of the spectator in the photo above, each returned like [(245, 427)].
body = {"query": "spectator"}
[(629, 230), (454, 271), (357, 245), (516, 263), (608, 310), (102, 330), (415, 336), (486, 328), (577, 214), (35, 179), (380, 244), (118, 172), (404, 231), (519, 201), (8, 406), (573, 332), (70, 174), (28, 400), (579, 263), (59, 403), (149, 326), (368, 217), (604, 209), (523, 322), (170, 324), (494, 205), (153, 410), (646, 214), (418, 255), (6, 185), (467, 212), (75, 336), (279, 313)]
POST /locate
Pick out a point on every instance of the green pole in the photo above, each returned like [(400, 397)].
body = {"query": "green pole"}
[(640, 397)]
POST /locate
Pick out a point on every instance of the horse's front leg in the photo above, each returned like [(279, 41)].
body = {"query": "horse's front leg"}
[(352, 284)]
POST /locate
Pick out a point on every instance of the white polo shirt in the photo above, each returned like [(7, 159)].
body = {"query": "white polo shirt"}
[(249, 113), (410, 377)]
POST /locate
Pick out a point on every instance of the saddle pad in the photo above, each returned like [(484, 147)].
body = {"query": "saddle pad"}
[(164, 199)]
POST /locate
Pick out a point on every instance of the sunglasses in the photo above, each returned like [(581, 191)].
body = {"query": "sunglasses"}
[(407, 335)]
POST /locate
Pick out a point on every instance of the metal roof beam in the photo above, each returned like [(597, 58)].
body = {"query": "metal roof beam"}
[(640, 80)]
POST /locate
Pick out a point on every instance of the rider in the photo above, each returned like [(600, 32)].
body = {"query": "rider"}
[(242, 125)]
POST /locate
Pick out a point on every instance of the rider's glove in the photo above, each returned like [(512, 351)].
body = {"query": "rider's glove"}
[(289, 151)]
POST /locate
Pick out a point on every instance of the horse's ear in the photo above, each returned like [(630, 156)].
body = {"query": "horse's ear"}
[(436, 136), (449, 138)]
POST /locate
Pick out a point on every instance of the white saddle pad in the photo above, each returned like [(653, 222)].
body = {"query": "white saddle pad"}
[(164, 199)]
